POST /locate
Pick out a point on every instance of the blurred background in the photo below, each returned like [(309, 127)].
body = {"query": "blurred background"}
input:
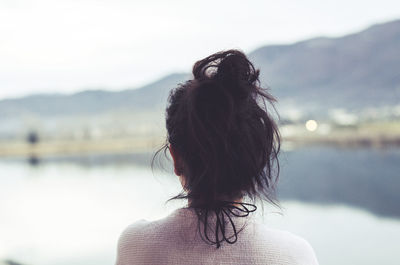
[(83, 88)]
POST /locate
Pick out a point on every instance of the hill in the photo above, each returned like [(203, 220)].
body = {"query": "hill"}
[(354, 72), (149, 97)]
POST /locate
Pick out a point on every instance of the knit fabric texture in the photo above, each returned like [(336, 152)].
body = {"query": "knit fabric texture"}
[(175, 239)]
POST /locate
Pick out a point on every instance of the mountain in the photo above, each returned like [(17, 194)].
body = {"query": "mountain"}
[(354, 72), (149, 97)]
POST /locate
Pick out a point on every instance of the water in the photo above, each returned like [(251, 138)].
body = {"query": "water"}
[(71, 211)]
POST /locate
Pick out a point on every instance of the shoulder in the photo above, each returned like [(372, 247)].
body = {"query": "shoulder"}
[(145, 242), (140, 233), (131, 243), (128, 237), (143, 231), (132, 233), (293, 248), (300, 249)]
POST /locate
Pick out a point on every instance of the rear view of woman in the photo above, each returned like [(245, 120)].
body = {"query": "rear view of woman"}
[(224, 144)]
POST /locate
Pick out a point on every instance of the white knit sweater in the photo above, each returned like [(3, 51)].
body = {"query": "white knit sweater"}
[(175, 240)]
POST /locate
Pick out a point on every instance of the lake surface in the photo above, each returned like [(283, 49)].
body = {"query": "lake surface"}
[(345, 202)]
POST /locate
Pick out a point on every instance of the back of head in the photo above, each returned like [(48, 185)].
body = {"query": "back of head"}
[(219, 125)]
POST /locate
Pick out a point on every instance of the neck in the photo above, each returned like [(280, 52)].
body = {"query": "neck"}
[(234, 202)]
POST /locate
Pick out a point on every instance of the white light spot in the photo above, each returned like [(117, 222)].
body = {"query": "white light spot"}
[(311, 125)]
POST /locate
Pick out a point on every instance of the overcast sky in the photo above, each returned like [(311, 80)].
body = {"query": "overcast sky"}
[(66, 46)]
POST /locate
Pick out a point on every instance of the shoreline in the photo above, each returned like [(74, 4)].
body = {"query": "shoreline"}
[(51, 148)]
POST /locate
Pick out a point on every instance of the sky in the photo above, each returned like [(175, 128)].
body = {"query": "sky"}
[(49, 46)]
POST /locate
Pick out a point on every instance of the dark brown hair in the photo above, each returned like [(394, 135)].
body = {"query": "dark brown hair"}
[(221, 127)]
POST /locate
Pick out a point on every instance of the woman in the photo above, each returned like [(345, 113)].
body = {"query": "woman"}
[(224, 144)]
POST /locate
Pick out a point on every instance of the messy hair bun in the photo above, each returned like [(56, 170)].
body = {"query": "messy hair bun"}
[(219, 125), (231, 69)]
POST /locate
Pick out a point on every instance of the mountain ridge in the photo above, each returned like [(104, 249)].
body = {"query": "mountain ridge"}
[(354, 71), (355, 65)]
